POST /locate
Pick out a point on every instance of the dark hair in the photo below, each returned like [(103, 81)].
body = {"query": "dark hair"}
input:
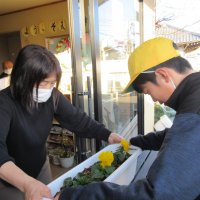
[(33, 64), (179, 64)]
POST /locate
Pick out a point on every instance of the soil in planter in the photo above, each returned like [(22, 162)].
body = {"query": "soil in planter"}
[(96, 173)]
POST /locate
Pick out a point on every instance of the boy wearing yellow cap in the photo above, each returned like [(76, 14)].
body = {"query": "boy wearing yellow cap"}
[(156, 68)]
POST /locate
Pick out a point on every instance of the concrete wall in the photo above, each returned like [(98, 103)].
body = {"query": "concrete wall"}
[(149, 19), (4, 51), (149, 32), (10, 44)]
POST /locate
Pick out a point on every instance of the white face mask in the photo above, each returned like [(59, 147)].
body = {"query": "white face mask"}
[(172, 82), (8, 71), (43, 94)]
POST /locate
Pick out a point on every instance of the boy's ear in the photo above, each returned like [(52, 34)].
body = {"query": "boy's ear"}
[(163, 73)]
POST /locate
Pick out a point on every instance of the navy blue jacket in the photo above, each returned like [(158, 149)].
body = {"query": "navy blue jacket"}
[(175, 173)]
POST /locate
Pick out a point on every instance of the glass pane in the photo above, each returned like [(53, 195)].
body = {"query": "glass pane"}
[(87, 76), (119, 35), (60, 47)]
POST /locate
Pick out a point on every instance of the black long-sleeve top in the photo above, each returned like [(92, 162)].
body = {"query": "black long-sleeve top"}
[(23, 134)]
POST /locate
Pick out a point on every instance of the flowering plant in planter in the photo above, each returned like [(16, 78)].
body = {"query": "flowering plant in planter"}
[(123, 175), (107, 164), (67, 156)]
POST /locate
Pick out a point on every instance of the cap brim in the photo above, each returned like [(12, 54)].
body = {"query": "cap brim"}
[(129, 88)]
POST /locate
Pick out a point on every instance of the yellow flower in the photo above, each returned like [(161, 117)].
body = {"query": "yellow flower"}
[(106, 158), (125, 145)]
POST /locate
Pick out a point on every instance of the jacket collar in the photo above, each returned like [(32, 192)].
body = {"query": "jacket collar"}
[(186, 97)]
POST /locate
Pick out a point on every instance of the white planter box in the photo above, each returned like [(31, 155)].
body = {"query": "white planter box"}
[(123, 175)]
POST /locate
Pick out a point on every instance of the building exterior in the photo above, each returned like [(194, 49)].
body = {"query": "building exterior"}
[(101, 34), (188, 41)]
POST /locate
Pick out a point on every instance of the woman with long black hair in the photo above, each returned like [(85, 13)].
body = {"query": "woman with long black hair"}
[(27, 109)]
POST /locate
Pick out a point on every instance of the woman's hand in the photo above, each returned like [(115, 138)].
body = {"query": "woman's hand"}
[(114, 138), (35, 190)]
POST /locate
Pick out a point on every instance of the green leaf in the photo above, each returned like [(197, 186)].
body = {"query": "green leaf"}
[(109, 170), (97, 174), (68, 182), (84, 180)]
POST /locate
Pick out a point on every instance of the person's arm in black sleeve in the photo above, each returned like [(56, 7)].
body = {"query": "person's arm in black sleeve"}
[(151, 141), (78, 121), (5, 119)]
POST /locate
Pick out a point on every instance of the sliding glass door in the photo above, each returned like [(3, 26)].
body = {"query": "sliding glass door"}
[(119, 35), (103, 34)]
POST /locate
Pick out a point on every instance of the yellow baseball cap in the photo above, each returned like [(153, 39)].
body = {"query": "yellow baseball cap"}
[(149, 54)]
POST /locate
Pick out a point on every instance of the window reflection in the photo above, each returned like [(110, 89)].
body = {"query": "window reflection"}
[(119, 35)]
